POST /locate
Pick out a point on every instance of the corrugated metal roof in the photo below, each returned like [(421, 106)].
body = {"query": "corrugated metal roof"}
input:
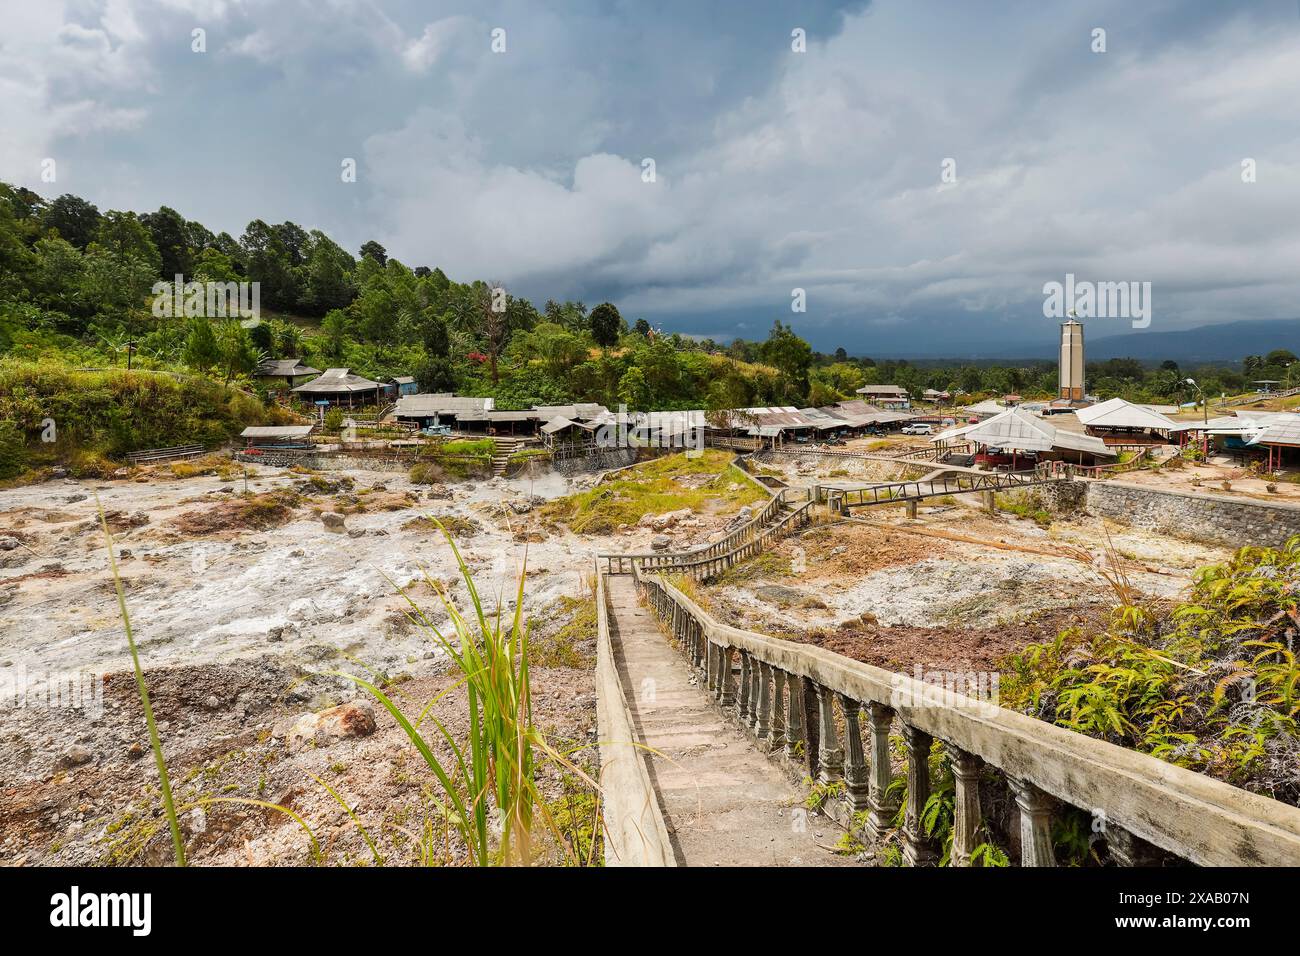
[(426, 404), (1018, 430), (337, 381), (284, 368), (276, 431), (1117, 413)]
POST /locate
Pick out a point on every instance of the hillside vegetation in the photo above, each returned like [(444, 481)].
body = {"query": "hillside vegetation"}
[(95, 417)]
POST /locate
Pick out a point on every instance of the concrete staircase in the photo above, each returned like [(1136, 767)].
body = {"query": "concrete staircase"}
[(505, 448)]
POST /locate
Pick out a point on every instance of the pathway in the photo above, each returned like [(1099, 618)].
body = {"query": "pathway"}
[(725, 803)]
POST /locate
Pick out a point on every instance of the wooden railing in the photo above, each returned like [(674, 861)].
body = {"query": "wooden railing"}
[(788, 698), (148, 455), (934, 453), (959, 483), (770, 521)]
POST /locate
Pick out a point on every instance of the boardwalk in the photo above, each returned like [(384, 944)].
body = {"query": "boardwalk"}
[(725, 803)]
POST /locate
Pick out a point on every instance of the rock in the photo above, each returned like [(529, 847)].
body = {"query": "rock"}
[(355, 532), (124, 553), (519, 506), (73, 499), (353, 719), (75, 756), (437, 492), (333, 522), (837, 551), (226, 490), (660, 542), (785, 596), (122, 473), (297, 553), (58, 472), (8, 543), (211, 703), (135, 751)]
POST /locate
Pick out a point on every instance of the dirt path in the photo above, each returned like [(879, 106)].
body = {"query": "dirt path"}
[(725, 803)]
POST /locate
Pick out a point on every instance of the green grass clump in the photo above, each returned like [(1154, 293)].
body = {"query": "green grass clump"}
[(490, 784), (654, 487), (1025, 506)]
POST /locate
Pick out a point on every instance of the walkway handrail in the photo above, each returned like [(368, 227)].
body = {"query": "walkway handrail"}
[(1136, 797), (959, 483), (715, 558), (635, 831)]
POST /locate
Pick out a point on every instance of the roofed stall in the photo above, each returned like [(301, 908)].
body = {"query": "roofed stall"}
[(339, 386), (444, 410), (1117, 422), (277, 436), (1016, 437)]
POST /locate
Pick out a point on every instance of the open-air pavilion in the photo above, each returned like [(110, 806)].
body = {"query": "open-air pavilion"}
[(339, 386), (1117, 422), (1016, 437)]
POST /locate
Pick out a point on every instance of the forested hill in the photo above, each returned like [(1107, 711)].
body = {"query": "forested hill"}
[(77, 286)]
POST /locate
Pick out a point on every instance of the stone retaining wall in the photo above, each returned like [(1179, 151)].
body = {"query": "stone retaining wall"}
[(1217, 519)]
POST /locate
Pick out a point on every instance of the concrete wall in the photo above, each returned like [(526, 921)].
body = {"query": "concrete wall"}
[(1218, 519)]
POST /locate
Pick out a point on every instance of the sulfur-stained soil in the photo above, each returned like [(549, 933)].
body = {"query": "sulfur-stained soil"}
[(954, 589), (87, 795)]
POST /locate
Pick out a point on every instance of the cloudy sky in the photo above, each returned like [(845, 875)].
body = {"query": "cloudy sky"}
[(774, 169)]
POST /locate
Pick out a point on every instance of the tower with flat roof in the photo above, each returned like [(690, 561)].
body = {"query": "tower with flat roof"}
[(1072, 361)]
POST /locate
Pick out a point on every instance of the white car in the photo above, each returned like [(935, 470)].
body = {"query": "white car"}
[(917, 430)]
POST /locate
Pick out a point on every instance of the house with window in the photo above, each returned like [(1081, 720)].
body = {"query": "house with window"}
[(886, 396)]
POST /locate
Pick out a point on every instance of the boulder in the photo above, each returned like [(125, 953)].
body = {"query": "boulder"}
[(75, 756), (333, 522), (8, 543), (354, 719), (660, 542)]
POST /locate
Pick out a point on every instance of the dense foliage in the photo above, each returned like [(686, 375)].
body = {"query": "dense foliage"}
[(1211, 683), (80, 284)]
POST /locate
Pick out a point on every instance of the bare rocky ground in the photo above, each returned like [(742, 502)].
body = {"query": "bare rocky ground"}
[(242, 608), (954, 590)]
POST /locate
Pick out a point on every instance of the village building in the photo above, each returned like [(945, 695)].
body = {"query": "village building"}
[(1124, 424), (276, 436), (444, 412), (283, 373), (338, 386), (1017, 439), (400, 385), (886, 396)]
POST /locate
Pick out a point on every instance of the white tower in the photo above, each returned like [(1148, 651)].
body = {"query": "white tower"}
[(1072, 361)]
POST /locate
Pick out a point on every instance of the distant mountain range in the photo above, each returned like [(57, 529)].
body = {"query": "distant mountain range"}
[(1222, 342)]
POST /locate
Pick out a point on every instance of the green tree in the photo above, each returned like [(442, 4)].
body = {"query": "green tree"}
[(75, 219), (201, 351), (633, 390), (606, 324), (792, 357)]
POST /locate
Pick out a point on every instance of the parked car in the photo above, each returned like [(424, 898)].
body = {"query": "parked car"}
[(918, 429)]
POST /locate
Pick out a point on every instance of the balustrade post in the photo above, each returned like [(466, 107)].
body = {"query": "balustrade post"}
[(712, 667), (830, 758), (855, 761), (763, 720), (918, 846), (794, 723), (727, 698), (745, 703), (1035, 823), (811, 725), (966, 811), (778, 710)]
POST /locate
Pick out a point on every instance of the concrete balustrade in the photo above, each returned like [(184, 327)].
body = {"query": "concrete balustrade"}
[(1145, 804)]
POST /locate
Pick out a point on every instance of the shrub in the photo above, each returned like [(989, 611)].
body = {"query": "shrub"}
[(13, 451)]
